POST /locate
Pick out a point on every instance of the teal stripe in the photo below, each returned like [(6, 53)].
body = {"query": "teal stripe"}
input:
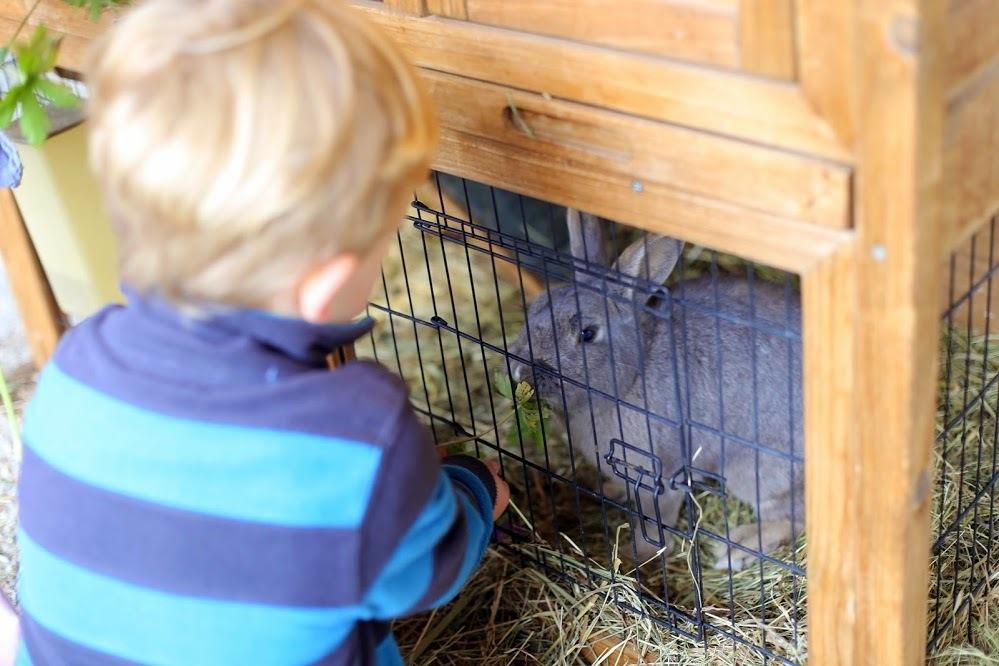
[(479, 532), (388, 654), (23, 658), (408, 573), (254, 474), (148, 626)]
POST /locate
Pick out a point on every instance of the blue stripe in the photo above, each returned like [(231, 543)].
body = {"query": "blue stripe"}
[(388, 654), (45, 647), (23, 658), (408, 573), (183, 552), (478, 540), (153, 627), (227, 471)]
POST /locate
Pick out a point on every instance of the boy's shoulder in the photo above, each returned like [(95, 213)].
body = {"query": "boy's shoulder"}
[(362, 400)]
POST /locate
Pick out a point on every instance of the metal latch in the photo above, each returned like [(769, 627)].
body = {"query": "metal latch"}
[(644, 472)]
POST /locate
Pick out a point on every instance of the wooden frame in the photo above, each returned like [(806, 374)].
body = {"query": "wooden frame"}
[(859, 162), (43, 321)]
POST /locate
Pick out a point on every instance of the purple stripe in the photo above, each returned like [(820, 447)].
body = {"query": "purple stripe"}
[(406, 479), (45, 648), (360, 646), (449, 555), (184, 552), (237, 382)]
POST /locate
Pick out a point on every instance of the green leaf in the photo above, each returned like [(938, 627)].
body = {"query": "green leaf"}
[(34, 121), (8, 105), (58, 94), (50, 55), (96, 7), (38, 55), (524, 392), (503, 385)]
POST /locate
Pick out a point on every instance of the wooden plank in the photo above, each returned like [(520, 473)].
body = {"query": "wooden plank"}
[(827, 62), (11, 9), (759, 110), (68, 20), (829, 307), (411, 7), (645, 152), (867, 595), (768, 239), (40, 314), (702, 32), (451, 8), (72, 52), (972, 39), (766, 37), (971, 158)]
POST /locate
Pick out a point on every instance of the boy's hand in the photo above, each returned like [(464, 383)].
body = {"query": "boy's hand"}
[(502, 489)]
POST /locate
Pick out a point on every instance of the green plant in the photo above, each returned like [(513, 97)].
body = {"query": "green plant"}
[(8, 405), (97, 7), (533, 415), (36, 58)]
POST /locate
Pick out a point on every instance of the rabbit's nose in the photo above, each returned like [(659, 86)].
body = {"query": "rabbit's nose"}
[(518, 373)]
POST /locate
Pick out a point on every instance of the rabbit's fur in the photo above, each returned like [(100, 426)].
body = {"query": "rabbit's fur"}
[(698, 371)]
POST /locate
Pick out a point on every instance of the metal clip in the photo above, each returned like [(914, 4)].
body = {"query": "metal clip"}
[(693, 480), (647, 477)]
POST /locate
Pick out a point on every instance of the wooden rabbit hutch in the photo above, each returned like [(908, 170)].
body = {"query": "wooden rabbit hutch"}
[(847, 152)]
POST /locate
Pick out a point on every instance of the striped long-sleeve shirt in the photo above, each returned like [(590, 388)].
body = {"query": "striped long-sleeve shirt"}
[(206, 492)]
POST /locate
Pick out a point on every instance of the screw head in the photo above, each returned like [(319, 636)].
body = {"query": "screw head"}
[(637, 186), (879, 252)]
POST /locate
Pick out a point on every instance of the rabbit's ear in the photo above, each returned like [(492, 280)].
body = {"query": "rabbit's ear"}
[(586, 238), (651, 258)]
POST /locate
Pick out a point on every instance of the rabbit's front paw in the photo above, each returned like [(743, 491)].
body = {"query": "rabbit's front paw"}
[(755, 537)]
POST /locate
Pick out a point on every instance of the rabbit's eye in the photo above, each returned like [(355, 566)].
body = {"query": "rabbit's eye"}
[(588, 334)]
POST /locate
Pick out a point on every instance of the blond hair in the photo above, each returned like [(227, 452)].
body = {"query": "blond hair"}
[(241, 142)]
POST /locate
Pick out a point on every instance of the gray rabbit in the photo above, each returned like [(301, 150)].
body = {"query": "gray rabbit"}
[(671, 354)]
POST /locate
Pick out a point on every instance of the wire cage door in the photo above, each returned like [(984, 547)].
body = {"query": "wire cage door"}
[(643, 398)]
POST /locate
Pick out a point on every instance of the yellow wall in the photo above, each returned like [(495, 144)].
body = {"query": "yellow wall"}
[(62, 208)]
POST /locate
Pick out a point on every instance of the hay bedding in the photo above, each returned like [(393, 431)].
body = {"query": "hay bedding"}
[(569, 609)]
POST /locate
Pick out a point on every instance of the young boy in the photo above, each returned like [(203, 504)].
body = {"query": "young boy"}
[(198, 487)]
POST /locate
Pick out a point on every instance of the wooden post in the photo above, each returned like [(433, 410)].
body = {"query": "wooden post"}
[(456, 9), (42, 318), (341, 356), (871, 359), (412, 7), (766, 37)]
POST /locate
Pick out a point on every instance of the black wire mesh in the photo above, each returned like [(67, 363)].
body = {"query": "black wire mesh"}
[(964, 572), (648, 418)]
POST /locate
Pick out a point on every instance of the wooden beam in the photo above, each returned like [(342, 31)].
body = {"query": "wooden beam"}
[(455, 9), (829, 309), (40, 314), (759, 110), (411, 7), (972, 39), (867, 594), (706, 31), (766, 37), (765, 238), (826, 52), (971, 158), (615, 145)]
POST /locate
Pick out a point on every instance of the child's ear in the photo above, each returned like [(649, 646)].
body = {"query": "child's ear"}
[(320, 287)]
